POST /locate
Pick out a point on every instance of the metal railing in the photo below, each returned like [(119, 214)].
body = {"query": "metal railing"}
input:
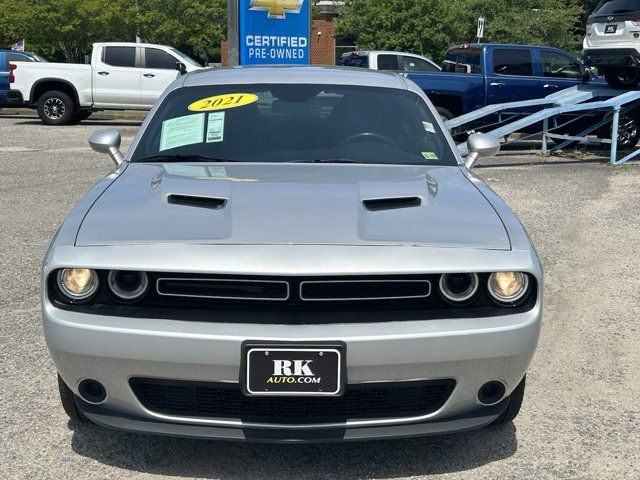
[(581, 102)]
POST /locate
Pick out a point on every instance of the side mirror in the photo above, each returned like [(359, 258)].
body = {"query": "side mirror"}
[(585, 73), (181, 67), (107, 141), (481, 145)]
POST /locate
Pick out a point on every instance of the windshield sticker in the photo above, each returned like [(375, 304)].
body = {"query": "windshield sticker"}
[(215, 127), (429, 127), (181, 131), (182, 170), (430, 156), (223, 102), (217, 172)]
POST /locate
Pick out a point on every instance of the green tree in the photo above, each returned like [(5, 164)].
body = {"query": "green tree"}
[(66, 29), (420, 26), (63, 28), (195, 26), (539, 22), (431, 26)]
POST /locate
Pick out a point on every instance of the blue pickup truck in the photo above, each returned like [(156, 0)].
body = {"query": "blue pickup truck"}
[(6, 57), (476, 75)]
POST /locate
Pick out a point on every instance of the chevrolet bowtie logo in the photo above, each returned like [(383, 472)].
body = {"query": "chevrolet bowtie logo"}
[(277, 8)]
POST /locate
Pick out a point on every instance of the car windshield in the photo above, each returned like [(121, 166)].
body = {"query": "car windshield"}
[(187, 59), (612, 7), (294, 123)]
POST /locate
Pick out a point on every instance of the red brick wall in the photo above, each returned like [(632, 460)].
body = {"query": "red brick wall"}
[(322, 46), (224, 52)]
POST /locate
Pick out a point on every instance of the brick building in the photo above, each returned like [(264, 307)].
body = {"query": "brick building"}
[(324, 48)]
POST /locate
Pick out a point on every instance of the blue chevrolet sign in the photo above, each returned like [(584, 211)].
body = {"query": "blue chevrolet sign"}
[(274, 32)]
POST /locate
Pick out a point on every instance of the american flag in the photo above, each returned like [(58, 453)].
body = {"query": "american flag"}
[(18, 46)]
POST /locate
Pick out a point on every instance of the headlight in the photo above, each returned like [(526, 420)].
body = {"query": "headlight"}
[(459, 287), (128, 286), (77, 284), (508, 287)]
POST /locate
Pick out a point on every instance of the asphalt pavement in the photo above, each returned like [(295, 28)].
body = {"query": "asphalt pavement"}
[(580, 418)]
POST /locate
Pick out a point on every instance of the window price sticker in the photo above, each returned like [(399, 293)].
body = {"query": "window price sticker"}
[(215, 127)]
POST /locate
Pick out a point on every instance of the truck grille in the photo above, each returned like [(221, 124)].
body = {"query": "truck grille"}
[(226, 401)]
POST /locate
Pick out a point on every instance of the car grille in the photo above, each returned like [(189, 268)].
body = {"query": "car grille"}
[(290, 300), (334, 290), (363, 290), (223, 289), (226, 401)]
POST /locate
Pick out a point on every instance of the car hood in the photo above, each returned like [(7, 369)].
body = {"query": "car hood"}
[(293, 204)]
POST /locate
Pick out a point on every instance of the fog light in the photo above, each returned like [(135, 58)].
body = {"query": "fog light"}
[(459, 287), (128, 286), (92, 391), (491, 393), (77, 284), (508, 287)]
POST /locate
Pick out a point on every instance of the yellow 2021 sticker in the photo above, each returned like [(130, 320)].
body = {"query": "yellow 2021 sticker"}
[(223, 102)]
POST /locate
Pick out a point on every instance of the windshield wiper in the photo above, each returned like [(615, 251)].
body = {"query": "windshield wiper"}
[(329, 160), (182, 158)]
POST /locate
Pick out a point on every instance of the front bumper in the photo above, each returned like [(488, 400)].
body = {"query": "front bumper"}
[(612, 57), (476, 419), (112, 350)]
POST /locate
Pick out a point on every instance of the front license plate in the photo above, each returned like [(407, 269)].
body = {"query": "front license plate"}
[(279, 370), (610, 28)]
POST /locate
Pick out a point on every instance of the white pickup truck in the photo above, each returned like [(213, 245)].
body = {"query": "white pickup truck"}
[(121, 76), (384, 60)]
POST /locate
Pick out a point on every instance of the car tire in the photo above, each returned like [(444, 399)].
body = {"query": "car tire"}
[(622, 78), (513, 408), (68, 400), (445, 114), (56, 108), (81, 115)]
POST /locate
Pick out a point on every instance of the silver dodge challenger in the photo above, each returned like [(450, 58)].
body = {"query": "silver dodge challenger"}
[(292, 254)]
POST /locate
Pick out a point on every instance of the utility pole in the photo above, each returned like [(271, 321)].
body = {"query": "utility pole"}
[(233, 33)]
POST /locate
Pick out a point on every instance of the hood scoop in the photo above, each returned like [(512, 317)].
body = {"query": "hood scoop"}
[(377, 204), (197, 201), (285, 205)]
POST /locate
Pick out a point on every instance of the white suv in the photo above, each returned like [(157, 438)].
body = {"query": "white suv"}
[(612, 42)]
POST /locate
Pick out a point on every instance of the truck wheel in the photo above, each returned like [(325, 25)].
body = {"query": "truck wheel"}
[(444, 114), (622, 78), (515, 402), (55, 108), (81, 115), (69, 403)]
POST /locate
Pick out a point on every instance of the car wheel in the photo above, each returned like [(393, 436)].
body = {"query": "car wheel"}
[(81, 115), (69, 402), (513, 408), (56, 108), (623, 78), (444, 114)]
